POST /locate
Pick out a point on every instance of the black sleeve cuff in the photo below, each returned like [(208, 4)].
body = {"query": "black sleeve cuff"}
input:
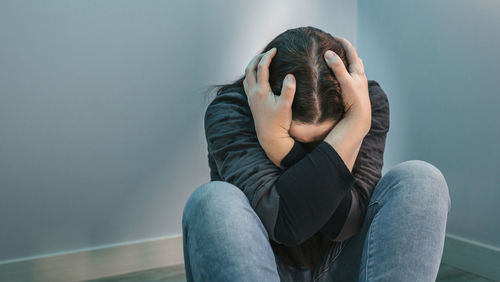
[(336, 222), (344, 171), (297, 152)]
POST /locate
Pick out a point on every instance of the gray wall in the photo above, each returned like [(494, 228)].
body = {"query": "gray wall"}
[(438, 61), (101, 110)]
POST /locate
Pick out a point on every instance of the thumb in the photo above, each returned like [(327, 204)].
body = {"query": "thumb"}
[(287, 91)]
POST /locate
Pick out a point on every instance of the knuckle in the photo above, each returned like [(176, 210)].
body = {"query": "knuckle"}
[(286, 103), (261, 89), (361, 70), (343, 79)]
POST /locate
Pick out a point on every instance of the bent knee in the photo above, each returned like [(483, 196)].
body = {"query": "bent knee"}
[(423, 180), (214, 197)]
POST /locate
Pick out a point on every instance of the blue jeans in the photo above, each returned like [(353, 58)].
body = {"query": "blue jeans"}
[(401, 239)]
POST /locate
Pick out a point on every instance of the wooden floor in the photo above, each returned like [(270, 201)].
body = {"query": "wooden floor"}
[(176, 274)]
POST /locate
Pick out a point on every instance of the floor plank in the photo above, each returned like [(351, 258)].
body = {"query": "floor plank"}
[(176, 273), (448, 273)]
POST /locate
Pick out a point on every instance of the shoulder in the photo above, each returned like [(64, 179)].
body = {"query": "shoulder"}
[(372, 83), (231, 96), (375, 89), (229, 110), (380, 105), (377, 94), (232, 99)]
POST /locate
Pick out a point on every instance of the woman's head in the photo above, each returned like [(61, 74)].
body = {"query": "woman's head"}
[(317, 103)]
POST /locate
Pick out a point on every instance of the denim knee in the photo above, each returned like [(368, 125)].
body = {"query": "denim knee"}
[(429, 179), (213, 198)]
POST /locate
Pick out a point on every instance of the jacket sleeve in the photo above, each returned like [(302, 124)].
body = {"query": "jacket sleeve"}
[(233, 144), (367, 170), (240, 160)]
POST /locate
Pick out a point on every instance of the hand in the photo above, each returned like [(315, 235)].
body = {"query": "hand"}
[(272, 114), (348, 134), (354, 84)]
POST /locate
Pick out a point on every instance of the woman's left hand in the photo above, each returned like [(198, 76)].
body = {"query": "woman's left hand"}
[(272, 114)]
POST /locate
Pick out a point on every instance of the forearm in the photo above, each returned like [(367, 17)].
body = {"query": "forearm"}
[(346, 137), (349, 134), (310, 191), (356, 153), (276, 149)]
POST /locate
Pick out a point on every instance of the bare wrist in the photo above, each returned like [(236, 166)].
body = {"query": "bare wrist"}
[(360, 115), (277, 148)]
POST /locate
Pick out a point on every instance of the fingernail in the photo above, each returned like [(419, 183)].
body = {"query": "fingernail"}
[(330, 56), (290, 77)]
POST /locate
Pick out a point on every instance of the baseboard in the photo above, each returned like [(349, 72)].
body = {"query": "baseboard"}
[(95, 263), (472, 256)]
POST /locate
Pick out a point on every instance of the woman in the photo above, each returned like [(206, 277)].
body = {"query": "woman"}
[(296, 192)]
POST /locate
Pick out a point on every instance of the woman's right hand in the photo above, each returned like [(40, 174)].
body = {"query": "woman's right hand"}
[(353, 83)]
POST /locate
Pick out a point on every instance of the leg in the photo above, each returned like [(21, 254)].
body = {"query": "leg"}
[(402, 237), (223, 238)]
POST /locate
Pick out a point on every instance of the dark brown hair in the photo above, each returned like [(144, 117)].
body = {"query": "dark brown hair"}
[(300, 51)]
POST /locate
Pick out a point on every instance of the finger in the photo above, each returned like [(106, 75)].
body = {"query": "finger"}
[(362, 67), (287, 91), (250, 71), (352, 55), (351, 52), (263, 66), (245, 86), (357, 67), (336, 64)]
